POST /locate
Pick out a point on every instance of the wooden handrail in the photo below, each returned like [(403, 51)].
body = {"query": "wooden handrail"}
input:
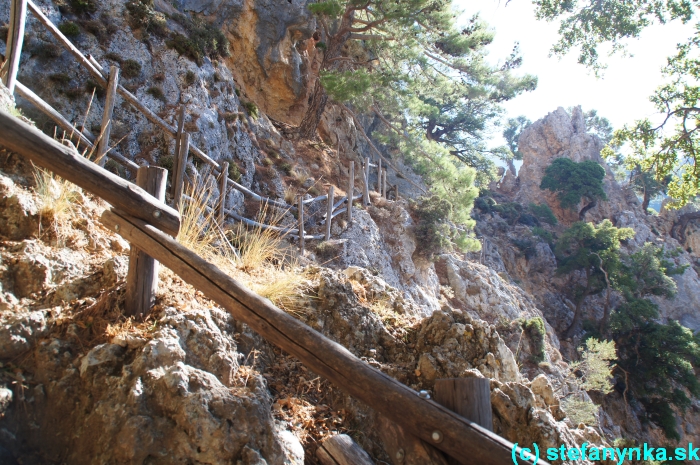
[(66, 162), (458, 437)]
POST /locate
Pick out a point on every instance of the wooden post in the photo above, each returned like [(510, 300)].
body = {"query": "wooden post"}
[(329, 211), (301, 225), (379, 176), (351, 190), (342, 450), (15, 38), (404, 448), (178, 142), (468, 397), (223, 189), (142, 277), (396, 188), (384, 183), (181, 165), (106, 127), (365, 187)]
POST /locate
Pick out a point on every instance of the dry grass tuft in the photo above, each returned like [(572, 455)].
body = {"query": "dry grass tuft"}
[(257, 257)]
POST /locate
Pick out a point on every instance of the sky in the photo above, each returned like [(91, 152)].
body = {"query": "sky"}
[(621, 95)]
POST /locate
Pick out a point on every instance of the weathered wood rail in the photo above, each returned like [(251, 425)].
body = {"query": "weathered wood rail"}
[(144, 221), (183, 143)]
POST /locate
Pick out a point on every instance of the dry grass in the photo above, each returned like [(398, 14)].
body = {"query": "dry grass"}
[(290, 195), (59, 201), (257, 257)]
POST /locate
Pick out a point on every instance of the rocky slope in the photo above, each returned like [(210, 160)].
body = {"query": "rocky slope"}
[(191, 385)]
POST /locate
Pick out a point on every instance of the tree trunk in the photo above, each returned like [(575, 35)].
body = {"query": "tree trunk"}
[(334, 49), (584, 210), (569, 333), (645, 202)]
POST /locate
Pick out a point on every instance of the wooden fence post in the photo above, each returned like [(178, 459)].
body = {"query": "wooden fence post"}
[(379, 176), (329, 211), (106, 127), (384, 183), (365, 187), (178, 143), (342, 450), (15, 38), (351, 190), (301, 225), (223, 189), (180, 166), (468, 397), (142, 277)]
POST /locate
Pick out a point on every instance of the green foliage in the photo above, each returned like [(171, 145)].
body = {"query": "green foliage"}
[(645, 184), (167, 162), (328, 8), (574, 181), (585, 24), (233, 172), (580, 410), (432, 231), (251, 108), (156, 92), (534, 327), (202, 40), (647, 272), (69, 29), (514, 128), (544, 234), (114, 57), (349, 86), (83, 6), (190, 78), (595, 366), (130, 68), (593, 250), (544, 213), (143, 16), (526, 246)]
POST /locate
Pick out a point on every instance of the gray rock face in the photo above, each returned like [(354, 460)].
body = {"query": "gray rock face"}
[(559, 135)]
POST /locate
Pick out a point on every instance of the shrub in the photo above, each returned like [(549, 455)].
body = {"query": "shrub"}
[(535, 330), (92, 86), (83, 6), (432, 232), (190, 78), (526, 246), (143, 16), (156, 92), (203, 40), (130, 68), (528, 220), (251, 108), (286, 168), (543, 212), (116, 58), (59, 78), (95, 28), (234, 172), (544, 234), (69, 29), (46, 50), (167, 162)]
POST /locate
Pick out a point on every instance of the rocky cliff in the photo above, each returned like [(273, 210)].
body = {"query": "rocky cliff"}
[(82, 384)]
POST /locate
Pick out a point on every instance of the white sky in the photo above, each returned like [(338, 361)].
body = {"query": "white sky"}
[(621, 95)]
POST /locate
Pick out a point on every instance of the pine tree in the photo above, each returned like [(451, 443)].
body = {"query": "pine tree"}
[(593, 250), (575, 181)]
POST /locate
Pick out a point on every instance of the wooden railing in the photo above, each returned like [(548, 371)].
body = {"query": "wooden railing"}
[(141, 219), (148, 224), (183, 144)]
